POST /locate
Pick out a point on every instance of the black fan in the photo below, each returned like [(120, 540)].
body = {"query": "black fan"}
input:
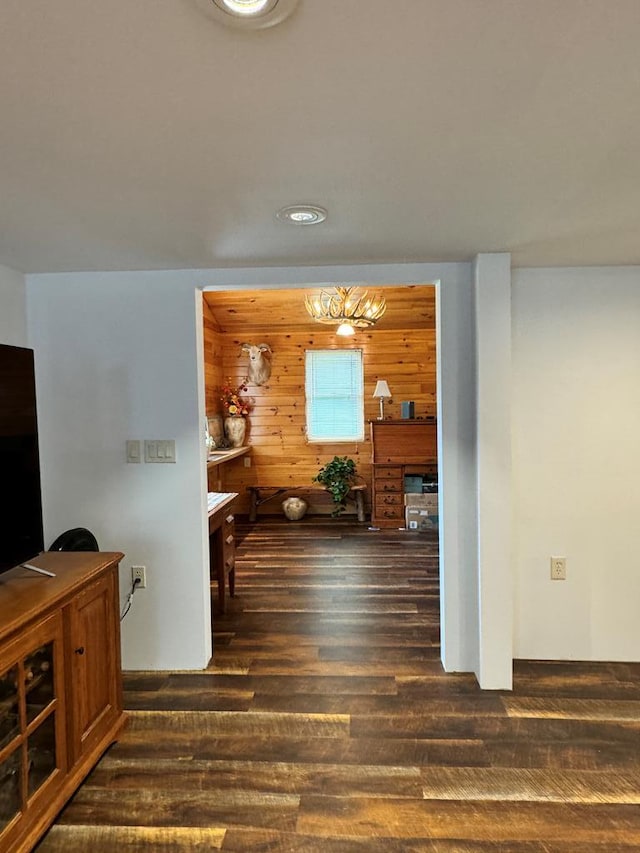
[(77, 539)]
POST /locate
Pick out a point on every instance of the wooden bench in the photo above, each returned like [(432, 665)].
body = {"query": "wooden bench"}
[(258, 496)]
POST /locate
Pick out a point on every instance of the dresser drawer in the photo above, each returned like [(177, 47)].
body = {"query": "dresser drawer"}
[(395, 513), (387, 472), (392, 486), (389, 499)]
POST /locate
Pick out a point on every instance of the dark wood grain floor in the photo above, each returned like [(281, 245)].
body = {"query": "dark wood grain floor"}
[(326, 723)]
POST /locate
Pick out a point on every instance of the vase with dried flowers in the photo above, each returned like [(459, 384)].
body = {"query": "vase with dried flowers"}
[(236, 408)]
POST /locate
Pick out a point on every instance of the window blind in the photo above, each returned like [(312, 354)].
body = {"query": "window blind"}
[(334, 386)]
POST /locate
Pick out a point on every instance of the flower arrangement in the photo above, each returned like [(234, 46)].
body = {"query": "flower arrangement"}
[(233, 404)]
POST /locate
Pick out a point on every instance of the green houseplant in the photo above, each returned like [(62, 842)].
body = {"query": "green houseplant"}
[(337, 478)]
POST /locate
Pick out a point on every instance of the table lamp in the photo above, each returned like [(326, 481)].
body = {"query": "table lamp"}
[(382, 391)]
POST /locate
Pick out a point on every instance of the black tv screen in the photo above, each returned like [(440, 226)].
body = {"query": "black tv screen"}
[(21, 534)]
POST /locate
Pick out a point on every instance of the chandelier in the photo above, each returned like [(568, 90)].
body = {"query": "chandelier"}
[(346, 307)]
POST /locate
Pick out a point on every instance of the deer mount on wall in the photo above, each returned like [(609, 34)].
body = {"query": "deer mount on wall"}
[(259, 369)]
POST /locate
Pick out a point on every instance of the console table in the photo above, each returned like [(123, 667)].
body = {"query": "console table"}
[(261, 494), (398, 447)]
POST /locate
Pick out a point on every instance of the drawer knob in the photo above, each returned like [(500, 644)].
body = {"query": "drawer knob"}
[(79, 650)]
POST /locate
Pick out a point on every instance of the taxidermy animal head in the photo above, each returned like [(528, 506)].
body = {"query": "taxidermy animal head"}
[(259, 369)]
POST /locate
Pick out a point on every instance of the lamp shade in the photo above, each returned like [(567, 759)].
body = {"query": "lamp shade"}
[(382, 389)]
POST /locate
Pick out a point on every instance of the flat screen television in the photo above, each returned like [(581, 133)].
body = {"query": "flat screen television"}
[(21, 533)]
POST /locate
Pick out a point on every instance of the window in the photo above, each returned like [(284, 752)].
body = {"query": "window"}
[(334, 386)]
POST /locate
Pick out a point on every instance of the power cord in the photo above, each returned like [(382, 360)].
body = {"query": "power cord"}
[(127, 604)]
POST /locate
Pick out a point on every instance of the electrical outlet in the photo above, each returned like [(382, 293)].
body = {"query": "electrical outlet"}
[(558, 568), (139, 573), (247, 462)]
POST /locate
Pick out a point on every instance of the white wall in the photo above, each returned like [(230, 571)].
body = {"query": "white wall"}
[(13, 308), (576, 461), (118, 356), (492, 311), (457, 474)]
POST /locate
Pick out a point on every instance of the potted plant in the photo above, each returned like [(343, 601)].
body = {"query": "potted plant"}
[(337, 477)]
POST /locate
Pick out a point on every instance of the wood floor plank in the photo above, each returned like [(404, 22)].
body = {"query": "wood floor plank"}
[(260, 724), (576, 709), (92, 838), (153, 807), (473, 820), (518, 784), (239, 840), (270, 776)]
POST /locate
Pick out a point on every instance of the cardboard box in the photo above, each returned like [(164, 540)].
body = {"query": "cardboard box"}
[(418, 518), (424, 501)]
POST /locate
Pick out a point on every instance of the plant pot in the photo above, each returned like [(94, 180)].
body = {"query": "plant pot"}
[(294, 508), (235, 430)]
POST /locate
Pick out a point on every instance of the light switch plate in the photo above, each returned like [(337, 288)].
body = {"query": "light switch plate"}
[(159, 450), (133, 450)]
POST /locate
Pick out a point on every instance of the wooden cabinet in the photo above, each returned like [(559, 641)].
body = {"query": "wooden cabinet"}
[(94, 663), (398, 448), (222, 547), (60, 685)]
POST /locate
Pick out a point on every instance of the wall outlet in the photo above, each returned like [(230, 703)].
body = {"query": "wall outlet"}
[(558, 568), (247, 462), (139, 573)]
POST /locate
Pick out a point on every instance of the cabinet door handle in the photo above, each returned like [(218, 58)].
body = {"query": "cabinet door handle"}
[(79, 650)]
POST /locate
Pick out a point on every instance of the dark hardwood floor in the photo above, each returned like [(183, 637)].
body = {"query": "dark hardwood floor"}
[(325, 723)]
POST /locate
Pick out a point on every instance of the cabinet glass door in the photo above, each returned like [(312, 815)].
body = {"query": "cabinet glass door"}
[(10, 776), (31, 716)]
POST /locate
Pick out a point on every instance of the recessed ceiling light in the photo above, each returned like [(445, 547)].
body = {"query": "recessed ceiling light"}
[(302, 214), (248, 14), (245, 7)]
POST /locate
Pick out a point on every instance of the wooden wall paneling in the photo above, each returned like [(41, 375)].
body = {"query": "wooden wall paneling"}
[(243, 312), (212, 355), (280, 454)]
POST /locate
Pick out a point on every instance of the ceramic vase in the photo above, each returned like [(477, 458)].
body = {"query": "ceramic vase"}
[(235, 430), (294, 508)]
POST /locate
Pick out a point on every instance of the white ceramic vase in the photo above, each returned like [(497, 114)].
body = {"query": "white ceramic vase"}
[(235, 430), (294, 508)]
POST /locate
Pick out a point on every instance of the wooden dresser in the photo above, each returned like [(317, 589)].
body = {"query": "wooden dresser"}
[(398, 448), (222, 550), (60, 685)]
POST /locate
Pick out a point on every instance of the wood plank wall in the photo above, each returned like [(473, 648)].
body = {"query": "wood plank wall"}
[(280, 454), (213, 371)]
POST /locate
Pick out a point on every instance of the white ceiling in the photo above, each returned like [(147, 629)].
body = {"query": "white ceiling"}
[(142, 134)]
